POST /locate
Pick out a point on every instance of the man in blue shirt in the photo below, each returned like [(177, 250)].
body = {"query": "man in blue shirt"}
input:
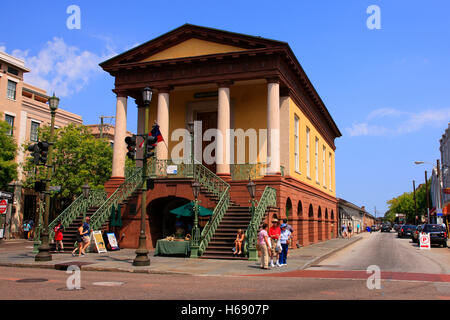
[(86, 236), (285, 236)]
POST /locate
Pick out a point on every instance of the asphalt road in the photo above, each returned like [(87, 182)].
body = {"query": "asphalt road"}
[(389, 253), (342, 276)]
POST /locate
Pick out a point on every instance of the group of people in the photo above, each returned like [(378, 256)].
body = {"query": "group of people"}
[(273, 243), (28, 229), (83, 237), (347, 231)]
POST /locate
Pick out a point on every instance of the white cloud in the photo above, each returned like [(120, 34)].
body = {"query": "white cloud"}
[(61, 68), (400, 122)]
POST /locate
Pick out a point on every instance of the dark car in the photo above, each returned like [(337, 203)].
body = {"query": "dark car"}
[(397, 227), (386, 227), (406, 230), (415, 236), (438, 234), (374, 228)]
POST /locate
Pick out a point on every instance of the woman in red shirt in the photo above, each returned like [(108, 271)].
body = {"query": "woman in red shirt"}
[(59, 236)]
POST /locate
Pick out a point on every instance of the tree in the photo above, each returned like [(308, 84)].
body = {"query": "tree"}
[(8, 149), (78, 157), (405, 204)]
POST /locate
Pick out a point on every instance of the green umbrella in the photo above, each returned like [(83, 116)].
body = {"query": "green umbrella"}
[(187, 210)]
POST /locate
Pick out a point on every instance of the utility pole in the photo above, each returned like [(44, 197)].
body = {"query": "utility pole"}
[(428, 197), (415, 204), (101, 124)]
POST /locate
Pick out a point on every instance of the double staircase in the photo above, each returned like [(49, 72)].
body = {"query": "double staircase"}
[(216, 241)]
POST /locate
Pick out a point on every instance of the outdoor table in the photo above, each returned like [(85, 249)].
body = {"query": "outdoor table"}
[(166, 247)]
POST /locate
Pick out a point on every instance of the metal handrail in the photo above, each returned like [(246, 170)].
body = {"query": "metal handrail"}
[(122, 192), (268, 198)]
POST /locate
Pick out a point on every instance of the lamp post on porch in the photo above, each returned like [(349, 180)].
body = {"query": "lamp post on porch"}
[(44, 248), (142, 258), (191, 132), (195, 230), (252, 236)]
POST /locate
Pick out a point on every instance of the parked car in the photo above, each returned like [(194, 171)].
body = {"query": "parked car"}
[(438, 234), (374, 228), (415, 236), (386, 227), (397, 227), (406, 230)]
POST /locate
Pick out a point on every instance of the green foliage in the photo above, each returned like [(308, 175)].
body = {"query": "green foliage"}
[(405, 204), (8, 149), (78, 157)]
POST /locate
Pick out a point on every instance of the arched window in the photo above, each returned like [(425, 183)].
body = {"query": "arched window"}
[(332, 215), (288, 208), (326, 213), (299, 209), (311, 211), (319, 214)]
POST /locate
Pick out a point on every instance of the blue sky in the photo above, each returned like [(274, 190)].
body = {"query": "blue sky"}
[(387, 90)]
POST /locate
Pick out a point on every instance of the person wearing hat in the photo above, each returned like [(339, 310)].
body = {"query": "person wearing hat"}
[(274, 234), (285, 236)]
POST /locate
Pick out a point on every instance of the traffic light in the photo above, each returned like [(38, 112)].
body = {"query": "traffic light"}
[(131, 147), (43, 146), (151, 144), (34, 148)]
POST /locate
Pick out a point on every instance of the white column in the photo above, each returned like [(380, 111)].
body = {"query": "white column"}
[(223, 126), (162, 118), (120, 149), (273, 127)]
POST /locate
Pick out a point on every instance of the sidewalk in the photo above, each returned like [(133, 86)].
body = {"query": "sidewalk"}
[(17, 253)]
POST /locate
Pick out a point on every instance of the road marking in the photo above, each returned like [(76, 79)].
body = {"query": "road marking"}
[(356, 274)]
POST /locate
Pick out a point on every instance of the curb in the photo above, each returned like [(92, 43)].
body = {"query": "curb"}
[(323, 257)]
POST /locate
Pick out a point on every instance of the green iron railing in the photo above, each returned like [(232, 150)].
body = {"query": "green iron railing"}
[(122, 192), (77, 208), (268, 199)]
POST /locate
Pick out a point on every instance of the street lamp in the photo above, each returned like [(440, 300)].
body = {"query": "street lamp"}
[(142, 258), (44, 248), (86, 189), (195, 230), (251, 187), (190, 126)]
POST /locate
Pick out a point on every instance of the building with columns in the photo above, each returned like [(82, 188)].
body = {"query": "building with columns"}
[(271, 125)]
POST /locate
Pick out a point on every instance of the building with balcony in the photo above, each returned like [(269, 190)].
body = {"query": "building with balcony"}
[(25, 108), (255, 114)]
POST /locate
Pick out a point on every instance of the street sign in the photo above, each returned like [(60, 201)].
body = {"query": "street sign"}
[(439, 214), (424, 241), (6, 195), (446, 190), (3, 206), (55, 188)]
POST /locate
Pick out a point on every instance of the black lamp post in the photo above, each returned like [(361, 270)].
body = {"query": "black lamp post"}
[(195, 230), (251, 187), (191, 132), (142, 258), (44, 249)]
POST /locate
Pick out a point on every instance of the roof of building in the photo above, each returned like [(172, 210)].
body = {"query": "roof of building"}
[(16, 62)]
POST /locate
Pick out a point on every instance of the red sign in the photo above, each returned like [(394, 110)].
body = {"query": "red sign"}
[(447, 190), (3, 206)]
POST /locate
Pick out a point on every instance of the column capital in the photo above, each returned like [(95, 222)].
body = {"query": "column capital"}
[(121, 93), (273, 79), (225, 83), (164, 89)]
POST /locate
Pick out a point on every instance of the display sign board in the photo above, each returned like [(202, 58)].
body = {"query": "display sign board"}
[(424, 241), (113, 241), (3, 206), (99, 243), (172, 169), (446, 190)]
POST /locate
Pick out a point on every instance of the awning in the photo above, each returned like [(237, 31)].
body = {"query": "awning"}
[(187, 210)]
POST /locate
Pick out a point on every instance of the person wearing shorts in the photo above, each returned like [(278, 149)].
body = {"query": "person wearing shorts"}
[(86, 235), (274, 234)]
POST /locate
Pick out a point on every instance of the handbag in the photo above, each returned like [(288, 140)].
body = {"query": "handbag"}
[(278, 247)]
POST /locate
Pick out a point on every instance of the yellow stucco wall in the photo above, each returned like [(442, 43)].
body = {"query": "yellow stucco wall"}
[(304, 123), (192, 48)]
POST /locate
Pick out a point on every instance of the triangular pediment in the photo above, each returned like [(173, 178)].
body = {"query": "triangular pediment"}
[(190, 41), (192, 48)]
